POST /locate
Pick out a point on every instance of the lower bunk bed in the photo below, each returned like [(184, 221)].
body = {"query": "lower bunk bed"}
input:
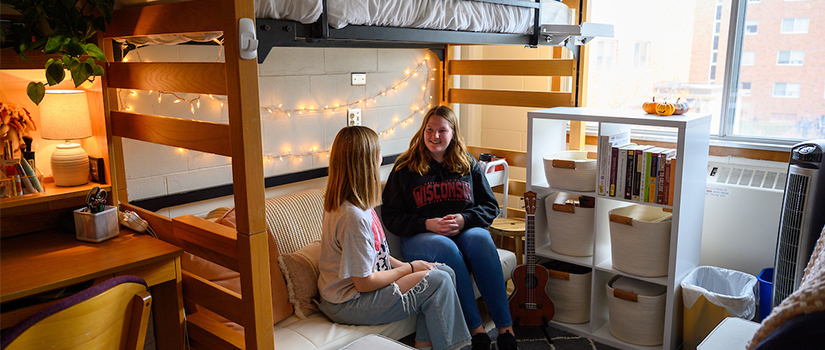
[(258, 297), (293, 230)]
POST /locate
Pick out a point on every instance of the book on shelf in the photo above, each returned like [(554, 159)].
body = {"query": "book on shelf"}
[(672, 182), (628, 171), (638, 170), (644, 182), (606, 143), (615, 175), (657, 175)]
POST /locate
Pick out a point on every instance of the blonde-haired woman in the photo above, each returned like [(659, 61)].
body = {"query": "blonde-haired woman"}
[(360, 283), (438, 200)]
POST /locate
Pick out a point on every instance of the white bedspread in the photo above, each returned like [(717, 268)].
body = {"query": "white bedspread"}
[(432, 14), (459, 15)]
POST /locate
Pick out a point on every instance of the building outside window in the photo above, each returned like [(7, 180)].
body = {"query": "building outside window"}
[(748, 58), (744, 88), (641, 51), (751, 26), (786, 90), (604, 53), (790, 58), (794, 25), (767, 101)]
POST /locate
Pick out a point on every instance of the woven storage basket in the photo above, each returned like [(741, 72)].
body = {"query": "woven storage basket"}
[(640, 240), (569, 288), (570, 170), (634, 317), (570, 227)]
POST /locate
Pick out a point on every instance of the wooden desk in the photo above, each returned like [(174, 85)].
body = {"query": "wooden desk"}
[(43, 261)]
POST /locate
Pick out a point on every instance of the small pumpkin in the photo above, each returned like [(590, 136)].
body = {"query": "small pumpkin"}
[(680, 107), (665, 108), (650, 106)]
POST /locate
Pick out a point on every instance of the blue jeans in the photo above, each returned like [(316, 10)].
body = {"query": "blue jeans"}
[(470, 250), (433, 298)]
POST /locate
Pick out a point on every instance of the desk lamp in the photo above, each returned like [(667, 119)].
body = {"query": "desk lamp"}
[(65, 116)]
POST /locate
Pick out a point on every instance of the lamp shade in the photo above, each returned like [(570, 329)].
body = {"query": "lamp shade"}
[(64, 115)]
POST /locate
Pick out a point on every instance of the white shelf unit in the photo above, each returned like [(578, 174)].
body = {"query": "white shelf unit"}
[(546, 134)]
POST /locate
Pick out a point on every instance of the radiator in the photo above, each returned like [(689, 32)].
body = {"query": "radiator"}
[(743, 205)]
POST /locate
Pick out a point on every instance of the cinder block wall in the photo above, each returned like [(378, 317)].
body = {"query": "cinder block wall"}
[(292, 78)]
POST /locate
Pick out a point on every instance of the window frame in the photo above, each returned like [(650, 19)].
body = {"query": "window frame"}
[(730, 87)]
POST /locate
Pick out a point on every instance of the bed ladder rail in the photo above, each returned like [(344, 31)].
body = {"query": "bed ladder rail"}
[(167, 19), (245, 250), (213, 297), (207, 333), (539, 99)]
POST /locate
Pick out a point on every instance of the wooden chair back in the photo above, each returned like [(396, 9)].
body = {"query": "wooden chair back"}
[(110, 315)]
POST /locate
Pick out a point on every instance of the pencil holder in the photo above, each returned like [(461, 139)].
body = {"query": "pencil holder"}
[(96, 227), (19, 179)]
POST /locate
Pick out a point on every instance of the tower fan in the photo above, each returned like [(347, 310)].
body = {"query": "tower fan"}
[(803, 215)]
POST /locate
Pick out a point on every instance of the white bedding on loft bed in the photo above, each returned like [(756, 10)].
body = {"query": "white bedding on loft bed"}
[(459, 15)]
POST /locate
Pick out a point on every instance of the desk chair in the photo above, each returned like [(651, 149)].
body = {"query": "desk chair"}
[(503, 226), (110, 315)]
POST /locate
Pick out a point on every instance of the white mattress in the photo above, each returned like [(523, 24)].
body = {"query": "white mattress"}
[(459, 15), (430, 14)]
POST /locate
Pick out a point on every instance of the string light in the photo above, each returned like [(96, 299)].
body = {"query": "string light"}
[(269, 158), (409, 74), (193, 102)]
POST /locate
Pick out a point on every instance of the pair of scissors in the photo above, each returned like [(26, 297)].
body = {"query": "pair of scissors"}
[(96, 199)]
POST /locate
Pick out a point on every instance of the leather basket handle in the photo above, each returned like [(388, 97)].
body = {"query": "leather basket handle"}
[(626, 295), (559, 275), (564, 208), (561, 163), (620, 219)]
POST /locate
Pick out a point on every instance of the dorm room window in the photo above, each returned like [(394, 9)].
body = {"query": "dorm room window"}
[(742, 61)]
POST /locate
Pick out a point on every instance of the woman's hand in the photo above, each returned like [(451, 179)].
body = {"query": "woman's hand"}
[(449, 225), (421, 265)]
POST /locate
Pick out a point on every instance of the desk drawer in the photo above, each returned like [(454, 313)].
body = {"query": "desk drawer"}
[(154, 274)]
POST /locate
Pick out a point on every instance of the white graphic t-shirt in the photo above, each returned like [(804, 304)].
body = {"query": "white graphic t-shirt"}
[(352, 245)]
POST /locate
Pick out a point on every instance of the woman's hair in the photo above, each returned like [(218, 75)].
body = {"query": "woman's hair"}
[(353, 169), (417, 157)]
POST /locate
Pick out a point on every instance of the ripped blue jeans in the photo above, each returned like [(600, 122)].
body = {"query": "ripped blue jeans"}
[(433, 298)]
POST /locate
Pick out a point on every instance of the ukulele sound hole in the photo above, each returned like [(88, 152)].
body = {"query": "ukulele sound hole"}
[(530, 282)]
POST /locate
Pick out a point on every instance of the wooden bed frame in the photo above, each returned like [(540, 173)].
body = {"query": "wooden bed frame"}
[(246, 250)]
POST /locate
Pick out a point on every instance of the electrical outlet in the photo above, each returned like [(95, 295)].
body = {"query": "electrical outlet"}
[(354, 116), (359, 79)]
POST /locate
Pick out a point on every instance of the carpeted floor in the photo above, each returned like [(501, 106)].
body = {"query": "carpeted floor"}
[(531, 338)]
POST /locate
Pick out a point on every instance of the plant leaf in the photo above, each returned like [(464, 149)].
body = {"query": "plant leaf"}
[(98, 70), (95, 52), (55, 73), (74, 48), (36, 91), (70, 62), (54, 44), (80, 74)]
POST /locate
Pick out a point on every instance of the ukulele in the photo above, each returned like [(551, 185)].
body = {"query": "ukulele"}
[(529, 303)]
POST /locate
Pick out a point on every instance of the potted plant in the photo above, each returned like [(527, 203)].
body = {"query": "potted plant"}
[(63, 28)]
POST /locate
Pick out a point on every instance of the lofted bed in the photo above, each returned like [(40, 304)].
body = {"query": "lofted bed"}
[(298, 23)]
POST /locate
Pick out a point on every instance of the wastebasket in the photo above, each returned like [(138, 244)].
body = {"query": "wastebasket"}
[(765, 279), (711, 294)]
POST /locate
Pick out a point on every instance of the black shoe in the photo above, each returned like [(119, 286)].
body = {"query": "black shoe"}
[(481, 341), (507, 341)]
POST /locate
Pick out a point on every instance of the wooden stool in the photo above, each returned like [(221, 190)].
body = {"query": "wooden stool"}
[(510, 227)]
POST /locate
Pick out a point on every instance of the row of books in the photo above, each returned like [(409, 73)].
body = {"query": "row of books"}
[(635, 172)]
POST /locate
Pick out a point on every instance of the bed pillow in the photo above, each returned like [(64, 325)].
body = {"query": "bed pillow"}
[(300, 270)]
